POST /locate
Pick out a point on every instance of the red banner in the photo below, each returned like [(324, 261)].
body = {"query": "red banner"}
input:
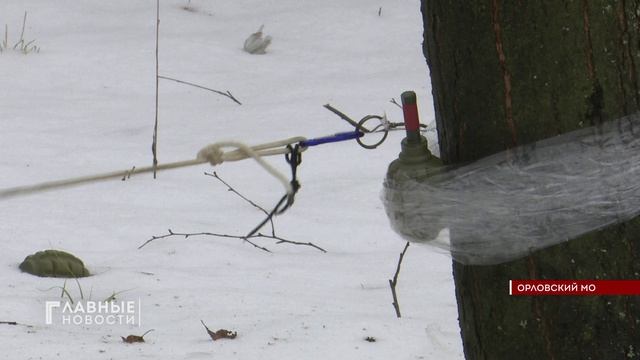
[(573, 287)]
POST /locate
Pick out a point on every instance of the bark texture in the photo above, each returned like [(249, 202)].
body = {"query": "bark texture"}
[(506, 73)]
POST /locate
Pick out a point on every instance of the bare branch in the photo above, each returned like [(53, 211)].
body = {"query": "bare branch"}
[(186, 235), (227, 93), (344, 117), (393, 101), (230, 188), (280, 240), (14, 323), (154, 144), (127, 175), (394, 282), (247, 238), (285, 241), (24, 22)]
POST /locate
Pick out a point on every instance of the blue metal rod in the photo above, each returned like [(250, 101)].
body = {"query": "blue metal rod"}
[(332, 138)]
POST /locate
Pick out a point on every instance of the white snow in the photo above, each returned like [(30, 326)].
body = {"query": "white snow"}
[(85, 104)]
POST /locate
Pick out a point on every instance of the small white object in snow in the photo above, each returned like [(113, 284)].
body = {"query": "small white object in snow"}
[(256, 44)]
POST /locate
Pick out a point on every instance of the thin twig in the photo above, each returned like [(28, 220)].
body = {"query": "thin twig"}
[(270, 218), (24, 22), (227, 93), (259, 235), (154, 145), (345, 117), (127, 175), (230, 188), (394, 282), (21, 45), (205, 326), (285, 241), (15, 323), (247, 238), (186, 235), (5, 43), (393, 101)]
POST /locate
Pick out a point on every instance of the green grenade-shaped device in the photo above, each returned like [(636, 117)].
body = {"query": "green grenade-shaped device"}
[(54, 263), (407, 176)]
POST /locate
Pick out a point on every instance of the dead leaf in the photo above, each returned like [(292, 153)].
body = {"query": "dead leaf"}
[(220, 334), (135, 338), (224, 334), (132, 339)]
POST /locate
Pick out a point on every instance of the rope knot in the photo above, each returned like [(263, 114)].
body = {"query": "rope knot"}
[(212, 154)]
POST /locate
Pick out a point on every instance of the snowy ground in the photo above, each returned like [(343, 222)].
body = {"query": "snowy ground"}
[(85, 104)]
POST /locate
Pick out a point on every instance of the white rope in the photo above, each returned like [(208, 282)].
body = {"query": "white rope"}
[(212, 154)]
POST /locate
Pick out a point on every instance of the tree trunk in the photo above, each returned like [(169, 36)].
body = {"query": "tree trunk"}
[(507, 73)]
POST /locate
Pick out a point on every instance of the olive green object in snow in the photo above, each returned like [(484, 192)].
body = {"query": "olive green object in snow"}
[(54, 263)]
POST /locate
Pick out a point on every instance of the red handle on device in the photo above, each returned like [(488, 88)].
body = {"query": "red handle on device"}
[(410, 110), (411, 119)]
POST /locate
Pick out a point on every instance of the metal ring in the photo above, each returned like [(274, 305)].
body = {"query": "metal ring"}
[(364, 130)]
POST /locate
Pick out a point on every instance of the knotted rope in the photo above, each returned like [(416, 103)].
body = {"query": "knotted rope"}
[(212, 154)]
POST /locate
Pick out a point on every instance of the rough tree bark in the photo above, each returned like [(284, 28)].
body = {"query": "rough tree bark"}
[(506, 73)]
